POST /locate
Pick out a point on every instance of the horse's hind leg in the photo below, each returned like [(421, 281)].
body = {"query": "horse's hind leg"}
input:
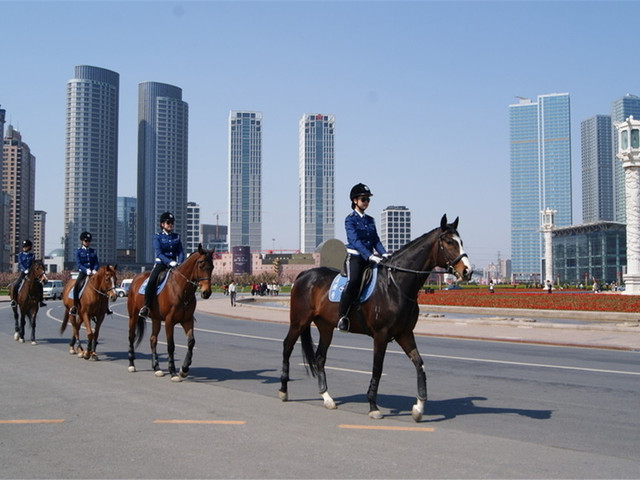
[(408, 344), (171, 348), (32, 324), (379, 350), (153, 343), (287, 348), (16, 335), (191, 342), (326, 334)]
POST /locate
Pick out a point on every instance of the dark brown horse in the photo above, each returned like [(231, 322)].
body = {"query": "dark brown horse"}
[(28, 301), (389, 314), (93, 306), (174, 305)]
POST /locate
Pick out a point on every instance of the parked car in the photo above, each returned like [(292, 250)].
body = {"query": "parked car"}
[(53, 289), (123, 289)]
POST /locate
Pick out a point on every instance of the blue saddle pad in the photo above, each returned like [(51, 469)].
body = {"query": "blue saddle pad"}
[(335, 291), (163, 282), (70, 294)]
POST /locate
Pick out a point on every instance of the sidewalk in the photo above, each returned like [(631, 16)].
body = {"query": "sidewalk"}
[(509, 326)]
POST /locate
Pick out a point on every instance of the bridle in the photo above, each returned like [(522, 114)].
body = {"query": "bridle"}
[(196, 282), (100, 292)]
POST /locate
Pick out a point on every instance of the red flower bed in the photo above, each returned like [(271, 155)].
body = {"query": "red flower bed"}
[(584, 301)]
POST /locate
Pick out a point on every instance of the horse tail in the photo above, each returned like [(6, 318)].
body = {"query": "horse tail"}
[(140, 326), (65, 320), (308, 351)]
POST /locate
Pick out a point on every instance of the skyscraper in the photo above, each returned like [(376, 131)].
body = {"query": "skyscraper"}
[(19, 182), (91, 161), (193, 228), (316, 180), (395, 227), (39, 229), (621, 109), (540, 151), (126, 226), (597, 169), (245, 179), (163, 119)]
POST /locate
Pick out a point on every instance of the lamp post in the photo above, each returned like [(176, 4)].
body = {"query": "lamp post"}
[(547, 219), (629, 154)]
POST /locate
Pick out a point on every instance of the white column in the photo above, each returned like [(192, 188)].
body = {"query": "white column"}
[(547, 217)]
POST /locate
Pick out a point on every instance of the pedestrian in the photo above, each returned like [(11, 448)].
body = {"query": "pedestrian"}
[(363, 248), (232, 292), (169, 254), (491, 286), (548, 286), (25, 259)]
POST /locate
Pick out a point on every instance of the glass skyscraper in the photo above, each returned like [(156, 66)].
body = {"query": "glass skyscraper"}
[(597, 169), (395, 227), (540, 151), (621, 109), (126, 226), (91, 161), (245, 179), (163, 139), (316, 180)]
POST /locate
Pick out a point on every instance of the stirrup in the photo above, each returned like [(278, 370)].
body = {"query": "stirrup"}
[(13, 303), (343, 324), (73, 311), (144, 312)]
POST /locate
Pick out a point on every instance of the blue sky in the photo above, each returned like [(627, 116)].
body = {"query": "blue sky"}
[(420, 91)]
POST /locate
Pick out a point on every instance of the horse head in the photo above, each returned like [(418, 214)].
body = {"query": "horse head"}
[(105, 281), (451, 255), (38, 271), (203, 270)]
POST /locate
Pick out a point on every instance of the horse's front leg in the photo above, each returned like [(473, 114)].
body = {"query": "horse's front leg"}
[(191, 342), (16, 320), (32, 324), (379, 351), (326, 334), (408, 343), (21, 327), (93, 348), (171, 348)]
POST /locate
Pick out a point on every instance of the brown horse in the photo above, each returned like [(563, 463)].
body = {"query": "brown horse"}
[(389, 314), (94, 303), (174, 305), (28, 300)]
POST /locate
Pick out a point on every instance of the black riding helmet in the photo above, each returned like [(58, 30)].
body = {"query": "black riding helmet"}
[(85, 236), (359, 190), (167, 217), (27, 243)]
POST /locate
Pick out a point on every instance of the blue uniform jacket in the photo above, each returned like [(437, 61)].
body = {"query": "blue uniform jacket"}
[(362, 235), (86, 259), (25, 259), (168, 248)]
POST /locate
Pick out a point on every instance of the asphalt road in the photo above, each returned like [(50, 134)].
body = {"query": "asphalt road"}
[(496, 410)]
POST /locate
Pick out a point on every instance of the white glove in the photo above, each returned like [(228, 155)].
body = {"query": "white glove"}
[(386, 255), (375, 259), (95, 271), (26, 271), (89, 272), (173, 263)]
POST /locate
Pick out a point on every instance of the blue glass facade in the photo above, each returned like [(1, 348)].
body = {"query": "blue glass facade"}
[(597, 169), (245, 179), (540, 152)]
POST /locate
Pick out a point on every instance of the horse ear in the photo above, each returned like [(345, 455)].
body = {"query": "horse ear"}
[(115, 267), (454, 225), (200, 251), (443, 222)]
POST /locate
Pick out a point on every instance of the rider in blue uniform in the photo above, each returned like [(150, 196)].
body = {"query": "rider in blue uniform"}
[(25, 259), (87, 265), (363, 247), (169, 253)]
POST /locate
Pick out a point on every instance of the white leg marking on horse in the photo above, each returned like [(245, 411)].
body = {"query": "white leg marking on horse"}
[(328, 401), (418, 410)]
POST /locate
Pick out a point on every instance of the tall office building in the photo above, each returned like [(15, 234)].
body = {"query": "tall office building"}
[(193, 228), (91, 161), (245, 179), (19, 182), (39, 229), (5, 206), (126, 223), (163, 119), (540, 151), (395, 227), (316, 174), (597, 169), (621, 109)]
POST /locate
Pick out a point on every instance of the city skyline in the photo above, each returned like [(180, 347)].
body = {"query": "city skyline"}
[(422, 110)]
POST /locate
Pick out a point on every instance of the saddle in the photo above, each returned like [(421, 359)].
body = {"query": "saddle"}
[(162, 281), (369, 279)]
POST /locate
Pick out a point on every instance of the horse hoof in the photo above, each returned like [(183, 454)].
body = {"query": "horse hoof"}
[(33, 342), (284, 396), (21, 340), (375, 415), (159, 373), (416, 414), (330, 405), (86, 356), (183, 374), (72, 351), (16, 336), (131, 369), (176, 378), (94, 357), (80, 353)]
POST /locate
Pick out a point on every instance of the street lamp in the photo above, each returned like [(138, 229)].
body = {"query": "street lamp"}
[(629, 154), (547, 219)]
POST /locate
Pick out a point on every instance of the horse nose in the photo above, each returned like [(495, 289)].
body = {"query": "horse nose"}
[(206, 294)]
